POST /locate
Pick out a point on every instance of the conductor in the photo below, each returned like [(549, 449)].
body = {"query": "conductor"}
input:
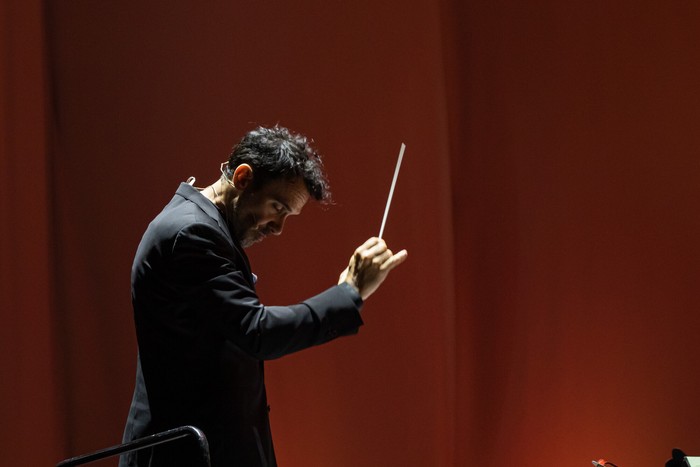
[(202, 333)]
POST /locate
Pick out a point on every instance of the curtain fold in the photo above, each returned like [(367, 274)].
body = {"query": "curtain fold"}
[(31, 432)]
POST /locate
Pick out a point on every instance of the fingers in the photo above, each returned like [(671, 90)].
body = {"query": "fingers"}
[(394, 260), (366, 253), (375, 252), (371, 247), (379, 259), (370, 265), (370, 242)]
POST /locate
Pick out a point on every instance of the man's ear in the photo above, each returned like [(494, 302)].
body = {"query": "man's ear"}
[(242, 176)]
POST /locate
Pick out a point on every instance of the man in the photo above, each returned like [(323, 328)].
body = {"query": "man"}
[(202, 332)]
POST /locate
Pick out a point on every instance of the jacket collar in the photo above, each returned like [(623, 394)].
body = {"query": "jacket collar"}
[(192, 194)]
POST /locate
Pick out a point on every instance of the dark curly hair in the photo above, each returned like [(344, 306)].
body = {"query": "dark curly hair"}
[(276, 153)]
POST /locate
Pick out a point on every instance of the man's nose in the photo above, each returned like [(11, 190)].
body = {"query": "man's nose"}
[(276, 227)]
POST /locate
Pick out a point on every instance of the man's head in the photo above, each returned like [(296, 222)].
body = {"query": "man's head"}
[(276, 153), (271, 173)]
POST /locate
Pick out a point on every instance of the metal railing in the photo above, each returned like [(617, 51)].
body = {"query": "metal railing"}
[(147, 442)]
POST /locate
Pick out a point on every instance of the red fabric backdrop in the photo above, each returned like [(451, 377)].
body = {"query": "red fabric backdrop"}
[(30, 393), (548, 312)]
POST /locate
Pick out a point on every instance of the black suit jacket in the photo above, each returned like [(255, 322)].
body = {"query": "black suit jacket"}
[(203, 336)]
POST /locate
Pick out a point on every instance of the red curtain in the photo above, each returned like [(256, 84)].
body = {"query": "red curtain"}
[(31, 412), (575, 155), (548, 200)]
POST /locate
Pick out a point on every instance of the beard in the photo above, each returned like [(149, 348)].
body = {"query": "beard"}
[(245, 229)]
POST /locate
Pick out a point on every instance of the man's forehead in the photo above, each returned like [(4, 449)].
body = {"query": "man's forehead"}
[(293, 193)]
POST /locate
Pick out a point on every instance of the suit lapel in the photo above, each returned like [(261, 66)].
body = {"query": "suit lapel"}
[(190, 193), (193, 195)]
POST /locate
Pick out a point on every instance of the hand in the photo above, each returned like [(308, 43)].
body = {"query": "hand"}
[(369, 266)]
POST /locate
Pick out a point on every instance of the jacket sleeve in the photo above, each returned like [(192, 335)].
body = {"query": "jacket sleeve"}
[(215, 283)]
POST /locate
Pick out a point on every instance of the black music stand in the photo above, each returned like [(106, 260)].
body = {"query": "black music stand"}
[(147, 442)]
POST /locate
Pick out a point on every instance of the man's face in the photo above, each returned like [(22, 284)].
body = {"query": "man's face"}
[(262, 211)]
